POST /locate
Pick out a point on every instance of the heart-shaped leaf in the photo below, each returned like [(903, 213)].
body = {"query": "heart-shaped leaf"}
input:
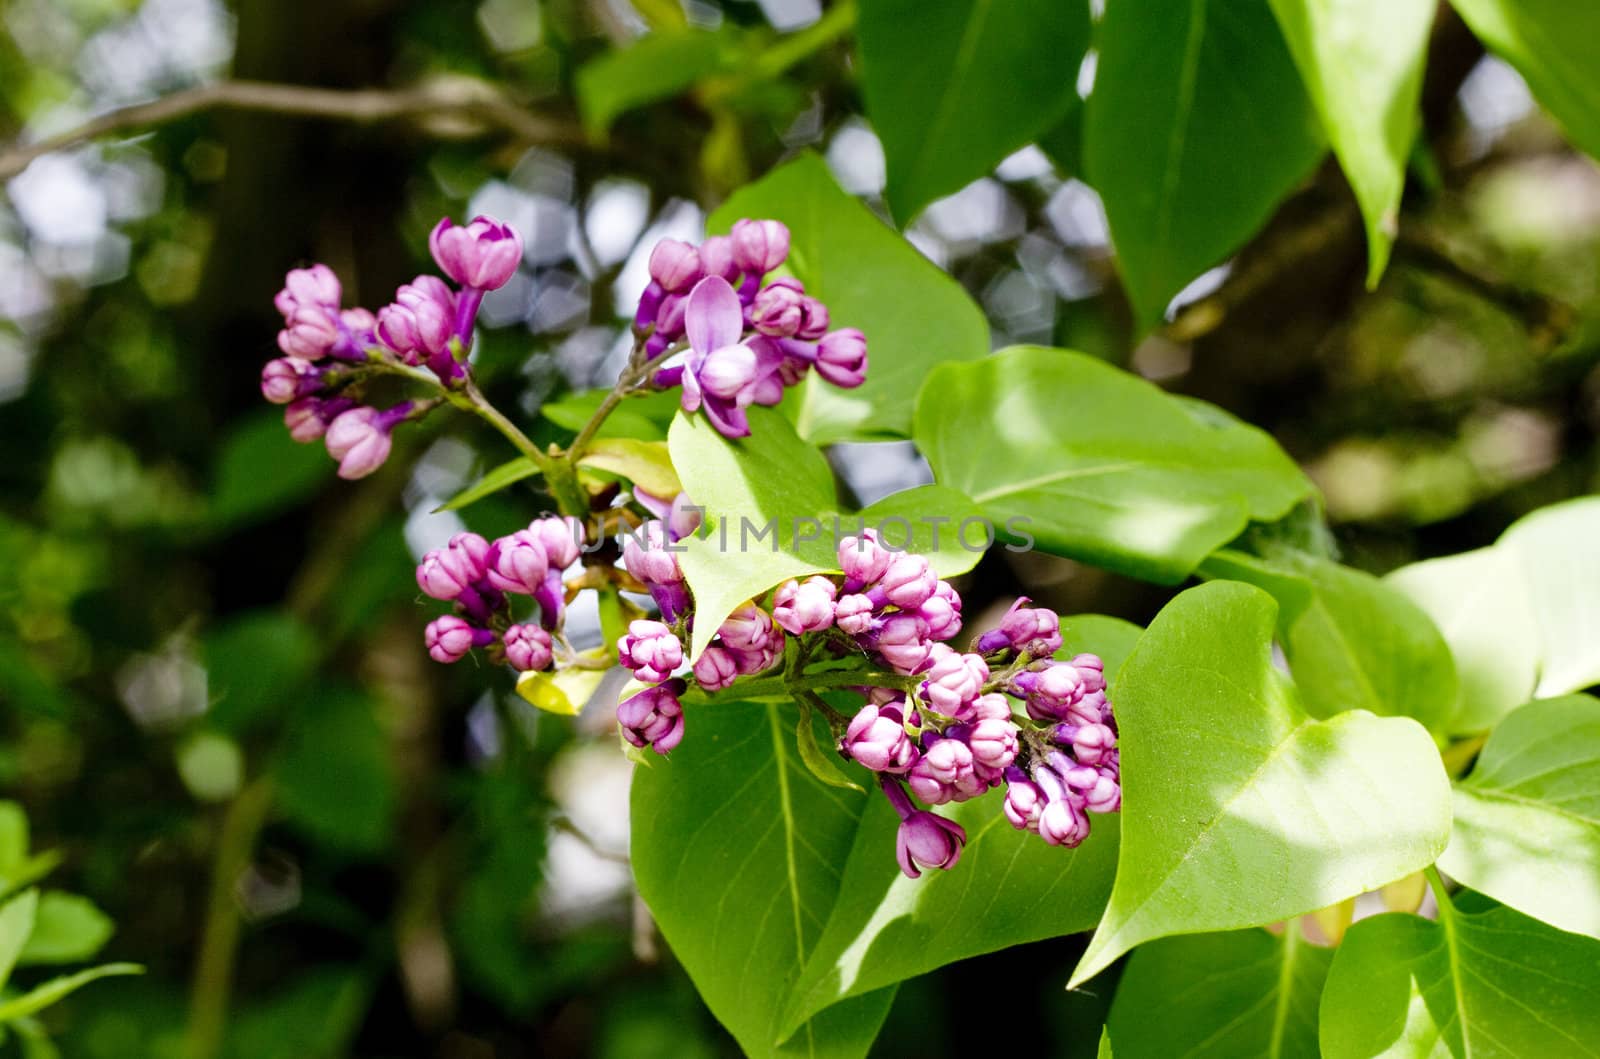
[(1097, 464), (914, 316), (1353, 642), (1527, 820), (937, 99), (1244, 992), (1239, 808), (772, 514), (1489, 984)]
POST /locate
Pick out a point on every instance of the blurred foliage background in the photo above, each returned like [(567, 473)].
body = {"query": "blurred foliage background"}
[(215, 701)]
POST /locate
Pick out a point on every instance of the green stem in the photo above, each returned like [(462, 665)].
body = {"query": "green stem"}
[(832, 678), (213, 976), (1441, 894)]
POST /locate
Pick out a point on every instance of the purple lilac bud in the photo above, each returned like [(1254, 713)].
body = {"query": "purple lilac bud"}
[(877, 739), (445, 573), (317, 285), (648, 557), (942, 612), (309, 332), (953, 681), (804, 606), (286, 379), (518, 563), (1061, 821), (528, 648), (759, 246), (1092, 670), (561, 538), (761, 660), (748, 628), (482, 255), (902, 641), (925, 840), (670, 318), (854, 615), (419, 323), (863, 560), (716, 258), (814, 320), (1034, 630), (675, 265), (842, 358), (716, 668), (651, 650), (1049, 690), (944, 772), (449, 638), (993, 706), (1091, 743), (654, 717), (779, 310), (360, 438), (993, 742), (1025, 800), (308, 418), (907, 583)]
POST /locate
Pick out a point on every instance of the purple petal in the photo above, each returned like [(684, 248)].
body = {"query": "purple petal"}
[(727, 417), (713, 317)]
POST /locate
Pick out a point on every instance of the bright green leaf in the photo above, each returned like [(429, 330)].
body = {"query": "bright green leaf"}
[(16, 923), (1244, 992), (1527, 820), (1197, 126), (1353, 642), (1098, 464), (645, 416), (1555, 546), (1239, 808), (972, 83), (563, 691), (47, 993), (67, 928), (1362, 61), (1551, 44), (1490, 985), (645, 463), (502, 477), (771, 507), (741, 868), (914, 316), (657, 67)]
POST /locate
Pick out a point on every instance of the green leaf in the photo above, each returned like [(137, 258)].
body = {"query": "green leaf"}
[(13, 837), (1104, 1051), (1490, 984), (502, 477), (261, 470), (1362, 62), (824, 766), (658, 67), (1527, 820), (1551, 44), (1098, 464), (1009, 888), (256, 665), (972, 83), (741, 868), (645, 463), (773, 514), (644, 416), (1353, 642), (47, 993), (1063, 142), (1480, 606), (1245, 992), (1529, 604), (335, 780), (1197, 126), (67, 928), (1239, 808), (16, 923), (914, 315)]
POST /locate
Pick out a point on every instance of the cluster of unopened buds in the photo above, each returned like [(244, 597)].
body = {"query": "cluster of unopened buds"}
[(710, 326), (331, 353), (941, 722)]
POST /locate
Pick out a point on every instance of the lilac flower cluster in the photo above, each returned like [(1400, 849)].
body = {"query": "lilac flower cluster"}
[(482, 578), (946, 731), (745, 342), (329, 351)]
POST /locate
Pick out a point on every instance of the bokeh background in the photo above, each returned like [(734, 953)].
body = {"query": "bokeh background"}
[(212, 689)]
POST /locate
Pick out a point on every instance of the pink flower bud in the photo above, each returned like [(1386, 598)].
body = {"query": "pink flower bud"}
[(287, 378), (802, 607), (675, 265), (651, 650), (928, 840), (942, 612), (317, 285), (716, 258), (758, 661), (653, 718), (1036, 630), (728, 372), (1025, 801), (777, 310), (420, 321), (863, 560), (359, 439), (716, 668), (944, 772), (309, 332), (813, 320), (748, 628), (308, 417), (482, 255), (518, 563), (877, 739), (445, 573), (902, 642), (646, 554), (842, 358), (1092, 670), (853, 614), (908, 582), (528, 648), (562, 539), (953, 681), (449, 638), (1063, 824), (993, 742), (759, 246)]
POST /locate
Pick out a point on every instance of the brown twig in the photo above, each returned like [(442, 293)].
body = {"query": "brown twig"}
[(472, 101)]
